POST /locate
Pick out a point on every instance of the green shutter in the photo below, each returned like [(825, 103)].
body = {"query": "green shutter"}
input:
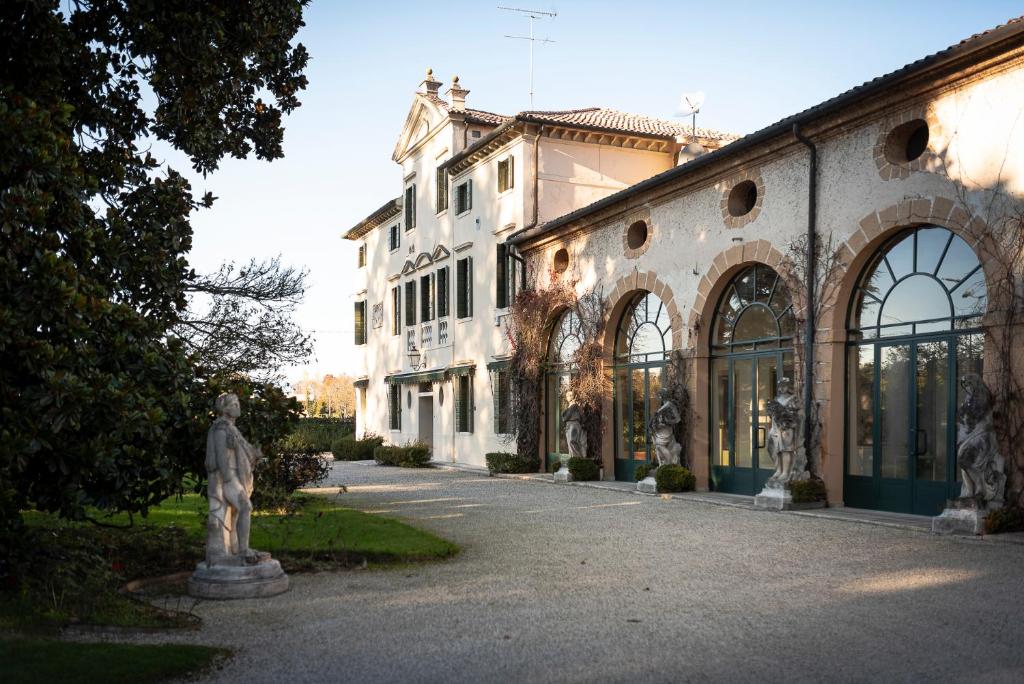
[(469, 286), (410, 303), (442, 292), (510, 173), (425, 298), (501, 261), (500, 395), (470, 407), (360, 316), (458, 405), (460, 288), (469, 195)]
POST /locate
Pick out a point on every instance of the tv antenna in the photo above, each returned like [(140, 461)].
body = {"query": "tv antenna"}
[(532, 14), (690, 104)]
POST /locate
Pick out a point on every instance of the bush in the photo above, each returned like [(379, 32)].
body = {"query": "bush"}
[(555, 465), (349, 448), (1004, 520), (409, 456), (674, 478), (807, 491), (582, 469), (503, 462), (643, 471), (286, 469), (319, 433)]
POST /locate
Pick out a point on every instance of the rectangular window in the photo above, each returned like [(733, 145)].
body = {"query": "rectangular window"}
[(360, 315), (442, 292), (502, 273), (442, 190), (396, 310), (410, 303), (464, 197), (395, 407), (362, 256), (463, 403), (395, 239), (506, 180), (427, 297), (410, 207), (502, 401), (464, 287)]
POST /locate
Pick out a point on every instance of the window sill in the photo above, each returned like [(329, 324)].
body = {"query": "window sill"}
[(441, 213), (465, 213), (464, 320)]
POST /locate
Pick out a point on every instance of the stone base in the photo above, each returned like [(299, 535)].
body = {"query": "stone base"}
[(563, 474), (260, 580), (960, 521), (648, 485), (774, 499)]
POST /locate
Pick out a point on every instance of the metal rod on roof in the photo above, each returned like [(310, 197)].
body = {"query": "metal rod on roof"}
[(532, 14)]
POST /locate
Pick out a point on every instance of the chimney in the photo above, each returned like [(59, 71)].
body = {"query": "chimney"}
[(458, 95), (429, 85)]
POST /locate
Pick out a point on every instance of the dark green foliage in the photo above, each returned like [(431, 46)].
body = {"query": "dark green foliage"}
[(351, 449), (583, 469), (807, 491), (408, 456), (554, 466), (642, 471), (97, 400), (503, 462), (320, 433), (1003, 520), (674, 478)]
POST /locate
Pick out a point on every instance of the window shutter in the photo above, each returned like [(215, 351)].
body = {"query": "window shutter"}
[(460, 289), (396, 310), (458, 405), (469, 402), (469, 286), (360, 316), (410, 303), (502, 175), (425, 294), (469, 194), (501, 261), (510, 173), (496, 385), (442, 292)]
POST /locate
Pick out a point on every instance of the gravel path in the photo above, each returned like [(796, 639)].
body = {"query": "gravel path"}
[(570, 584)]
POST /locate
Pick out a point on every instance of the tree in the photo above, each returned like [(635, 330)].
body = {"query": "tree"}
[(239, 319), (97, 398)]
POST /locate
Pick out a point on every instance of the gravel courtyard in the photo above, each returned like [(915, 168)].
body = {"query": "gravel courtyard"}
[(572, 584)]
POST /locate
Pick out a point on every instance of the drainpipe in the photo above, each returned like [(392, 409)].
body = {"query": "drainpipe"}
[(812, 265), (536, 176)]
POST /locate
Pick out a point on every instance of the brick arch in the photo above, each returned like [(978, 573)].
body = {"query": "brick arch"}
[(620, 295), (718, 276)]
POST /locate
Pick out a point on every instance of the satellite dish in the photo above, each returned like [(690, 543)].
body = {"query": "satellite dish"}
[(690, 103)]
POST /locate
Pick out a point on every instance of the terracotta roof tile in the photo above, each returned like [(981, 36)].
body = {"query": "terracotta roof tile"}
[(624, 122)]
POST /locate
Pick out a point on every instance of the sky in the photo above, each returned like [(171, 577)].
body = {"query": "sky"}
[(756, 62)]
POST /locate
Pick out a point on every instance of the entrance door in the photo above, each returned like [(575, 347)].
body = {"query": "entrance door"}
[(636, 401), (744, 384), (426, 420)]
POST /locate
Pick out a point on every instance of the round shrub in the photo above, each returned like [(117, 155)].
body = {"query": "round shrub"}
[(806, 491), (504, 462), (674, 478), (349, 448), (582, 469), (643, 471), (408, 456)]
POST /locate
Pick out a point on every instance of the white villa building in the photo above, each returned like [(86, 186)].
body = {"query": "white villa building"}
[(437, 275)]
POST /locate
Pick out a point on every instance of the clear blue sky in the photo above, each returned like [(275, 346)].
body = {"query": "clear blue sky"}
[(757, 62)]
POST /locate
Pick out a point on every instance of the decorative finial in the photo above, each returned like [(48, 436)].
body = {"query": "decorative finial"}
[(455, 81), (430, 74)]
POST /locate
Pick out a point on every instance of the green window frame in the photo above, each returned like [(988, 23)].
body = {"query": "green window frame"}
[(360, 322), (410, 303), (464, 287), (464, 404), (395, 406)]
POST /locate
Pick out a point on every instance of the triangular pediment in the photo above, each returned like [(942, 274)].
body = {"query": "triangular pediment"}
[(408, 268), (440, 253), (424, 116), (423, 259)]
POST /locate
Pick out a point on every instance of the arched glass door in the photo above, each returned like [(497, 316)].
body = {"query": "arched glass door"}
[(566, 338), (642, 342), (752, 348), (914, 330)]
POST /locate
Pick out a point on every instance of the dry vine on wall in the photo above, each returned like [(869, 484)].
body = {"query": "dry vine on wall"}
[(589, 383)]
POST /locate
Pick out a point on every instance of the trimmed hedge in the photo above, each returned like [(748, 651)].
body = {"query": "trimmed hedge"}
[(319, 434), (643, 471), (409, 456), (674, 478), (349, 448), (504, 462), (807, 491), (582, 469)]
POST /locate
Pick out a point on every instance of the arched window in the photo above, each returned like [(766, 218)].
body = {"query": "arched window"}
[(755, 312), (925, 281), (566, 338), (645, 333)]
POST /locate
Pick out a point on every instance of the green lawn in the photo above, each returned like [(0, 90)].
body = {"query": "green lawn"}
[(31, 661)]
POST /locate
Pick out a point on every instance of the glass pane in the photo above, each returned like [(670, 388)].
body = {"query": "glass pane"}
[(563, 404), (780, 298), (757, 322), (767, 381), (901, 257), (971, 298), (744, 285), (860, 451), (894, 412), (764, 282), (866, 308), (638, 449), (654, 386), (932, 410), (622, 413), (720, 407), (743, 396), (959, 261), (647, 340), (551, 392), (918, 298), (930, 244), (879, 282), (969, 353)]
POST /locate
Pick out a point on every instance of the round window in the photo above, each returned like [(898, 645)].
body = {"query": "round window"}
[(742, 198), (636, 235), (561, 260), (907, 142)]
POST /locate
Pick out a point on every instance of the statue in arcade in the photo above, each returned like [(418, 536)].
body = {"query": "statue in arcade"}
[(662, 428), (782, 444), (977, 455), (575, 435)]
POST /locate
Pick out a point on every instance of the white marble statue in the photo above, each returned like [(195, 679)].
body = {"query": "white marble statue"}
[(977, 455), (783, 437), (662, 427), (575, 435)]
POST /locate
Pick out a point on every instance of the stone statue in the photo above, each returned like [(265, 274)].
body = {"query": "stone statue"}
[(575, 435), (232, 569), (782, 443), (662, 427), (977, 455)]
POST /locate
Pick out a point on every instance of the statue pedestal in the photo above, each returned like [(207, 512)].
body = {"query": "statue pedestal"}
[(960, 517), (648, 485), (237, 581), (774, 499), (563, 474)]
